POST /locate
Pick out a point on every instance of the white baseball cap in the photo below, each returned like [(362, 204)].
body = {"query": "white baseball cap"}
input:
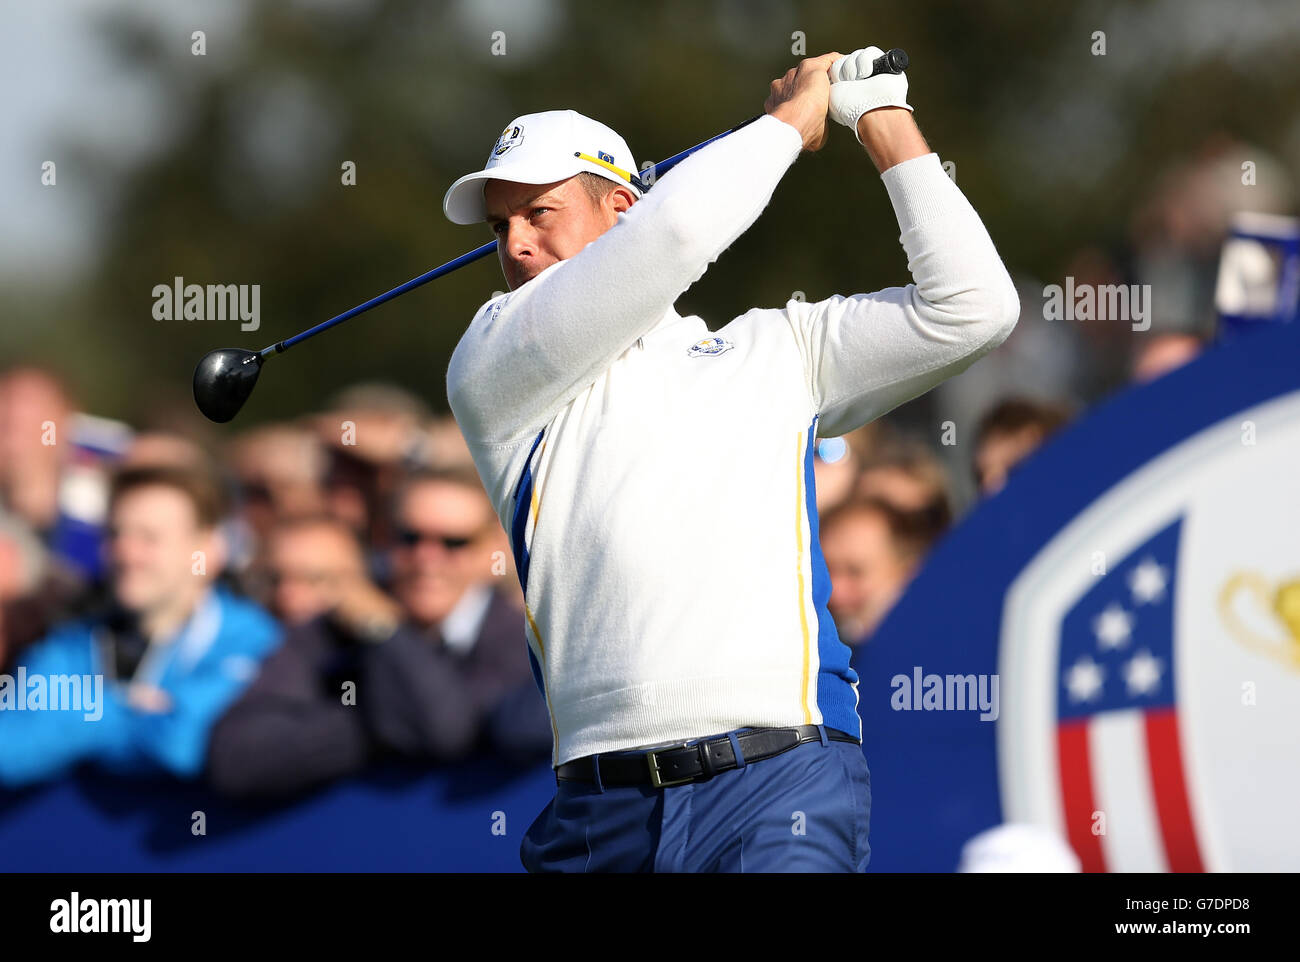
[(541, 149)]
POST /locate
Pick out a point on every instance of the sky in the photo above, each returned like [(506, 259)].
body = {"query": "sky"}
[(57, 79)]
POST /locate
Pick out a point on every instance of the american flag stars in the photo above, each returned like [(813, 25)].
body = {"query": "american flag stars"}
[(1114, 630)]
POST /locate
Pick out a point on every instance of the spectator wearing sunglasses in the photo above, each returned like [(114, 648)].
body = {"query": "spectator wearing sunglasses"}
[(416, 674), (461, 649)]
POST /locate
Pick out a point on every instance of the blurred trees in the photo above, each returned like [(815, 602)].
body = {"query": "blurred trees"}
[(1054, 145)]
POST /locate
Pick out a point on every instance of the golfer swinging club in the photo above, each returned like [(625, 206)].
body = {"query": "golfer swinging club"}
[(656, 480)]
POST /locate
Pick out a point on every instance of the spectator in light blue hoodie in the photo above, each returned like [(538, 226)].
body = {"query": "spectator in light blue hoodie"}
[(137, 688)]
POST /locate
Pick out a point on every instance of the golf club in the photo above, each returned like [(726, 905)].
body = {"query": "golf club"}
[(226, 377)]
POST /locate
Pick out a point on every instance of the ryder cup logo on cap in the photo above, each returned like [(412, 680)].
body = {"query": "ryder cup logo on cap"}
[(510, 137), (544, 148)]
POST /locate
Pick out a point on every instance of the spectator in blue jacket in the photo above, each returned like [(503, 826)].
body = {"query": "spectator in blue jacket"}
[(137, 687)]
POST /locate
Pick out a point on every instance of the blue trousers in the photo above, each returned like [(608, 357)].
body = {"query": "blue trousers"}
[(805, 810)]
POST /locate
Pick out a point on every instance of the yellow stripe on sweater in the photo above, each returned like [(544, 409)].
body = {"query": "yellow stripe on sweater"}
[(800, 506), (546, 689), (536, 505)]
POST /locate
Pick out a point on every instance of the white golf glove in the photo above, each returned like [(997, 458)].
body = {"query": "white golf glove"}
[(854, 91)]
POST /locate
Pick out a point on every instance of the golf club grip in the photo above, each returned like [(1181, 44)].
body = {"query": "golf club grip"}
[(892, 61)]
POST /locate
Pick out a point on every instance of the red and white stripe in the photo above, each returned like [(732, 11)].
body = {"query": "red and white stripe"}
[(1127, 765)]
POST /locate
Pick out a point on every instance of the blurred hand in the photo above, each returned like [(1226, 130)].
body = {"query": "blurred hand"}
[(366, 612), (148, 698), (802, 99)]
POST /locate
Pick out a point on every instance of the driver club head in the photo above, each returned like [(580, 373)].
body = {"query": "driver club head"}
[(223, 381)]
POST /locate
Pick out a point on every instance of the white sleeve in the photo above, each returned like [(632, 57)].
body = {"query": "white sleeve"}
[(529, 352), (866, 354)]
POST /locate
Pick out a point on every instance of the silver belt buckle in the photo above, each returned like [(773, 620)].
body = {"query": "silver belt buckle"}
[(655, 778)]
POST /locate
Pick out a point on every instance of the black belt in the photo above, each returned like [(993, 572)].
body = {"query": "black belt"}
[(678, 764)]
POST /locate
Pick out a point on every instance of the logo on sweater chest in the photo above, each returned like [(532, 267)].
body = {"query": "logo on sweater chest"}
[(709, 347)]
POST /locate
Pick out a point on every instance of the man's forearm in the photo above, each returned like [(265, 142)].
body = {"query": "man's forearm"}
[(891, 137)]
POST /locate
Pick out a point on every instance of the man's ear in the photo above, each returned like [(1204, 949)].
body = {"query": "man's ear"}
[(621, 198)]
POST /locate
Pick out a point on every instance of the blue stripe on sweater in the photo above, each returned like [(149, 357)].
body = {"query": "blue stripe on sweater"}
[(519, 520), (518, 526), (836, 697)]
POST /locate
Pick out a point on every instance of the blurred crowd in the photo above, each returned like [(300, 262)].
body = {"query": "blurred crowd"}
[(269, 614), (280, 610)]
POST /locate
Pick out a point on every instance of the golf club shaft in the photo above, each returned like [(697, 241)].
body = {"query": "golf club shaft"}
[(480, 252), (895, 61)]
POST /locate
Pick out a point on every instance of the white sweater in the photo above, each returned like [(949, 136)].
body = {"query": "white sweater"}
[(647, 472)]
